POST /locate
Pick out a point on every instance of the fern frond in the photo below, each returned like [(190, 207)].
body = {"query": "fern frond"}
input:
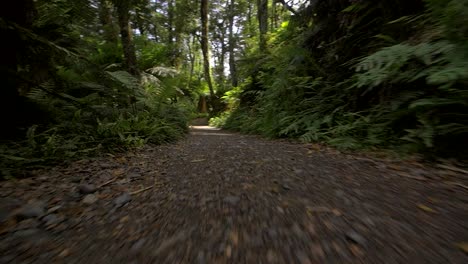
[(163, 71)]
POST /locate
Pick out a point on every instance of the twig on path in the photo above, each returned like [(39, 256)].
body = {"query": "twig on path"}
[(147, 188), (419, 178), (447, 167), (142, 190), (108, 182), (459, 185)]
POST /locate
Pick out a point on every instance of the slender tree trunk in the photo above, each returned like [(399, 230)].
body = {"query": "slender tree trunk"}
[(111, 32), (205, 48), (123, 7), (171, 31), (249, 19), (262, 16), (221, 54), (232, 44), (192, 58), (23, 13), (180, 27), (274, 17)]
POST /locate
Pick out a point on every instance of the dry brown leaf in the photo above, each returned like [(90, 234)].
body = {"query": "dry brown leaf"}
[(234, 237), (356, 250), (463, 246), (121, 160), (426, 208), (321, 209), (228, 251), (118, 172), (64, 253)]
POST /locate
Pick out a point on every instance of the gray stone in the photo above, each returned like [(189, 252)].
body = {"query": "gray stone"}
[(339, 193), (31, 210), (356, 238), (122, 200), (138, 245), (54, 209), (27, 224), (272, 233), (87, 188), (52, 219), (4, 215), (233, 200), (75, 179), (27, 232), (90, 199)]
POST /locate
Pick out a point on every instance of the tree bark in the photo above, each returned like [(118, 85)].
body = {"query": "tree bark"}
[(262, 16), (123, 8), (232, 44), (171, 28), (22, 13), (205, 49), (111, 32)]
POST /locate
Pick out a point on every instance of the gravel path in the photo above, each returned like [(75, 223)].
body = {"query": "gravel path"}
[(221, 197)]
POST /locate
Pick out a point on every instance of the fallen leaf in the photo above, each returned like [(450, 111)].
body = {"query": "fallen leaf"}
[(234, 237), (336, 212), (426, 208), (122, 160), (356, 250), (198, 160), (247, 186), (64, 253), (228, 251), (463, 246), (118, 172)]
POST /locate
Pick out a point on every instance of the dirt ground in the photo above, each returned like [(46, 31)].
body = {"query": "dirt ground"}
[(222, 197)]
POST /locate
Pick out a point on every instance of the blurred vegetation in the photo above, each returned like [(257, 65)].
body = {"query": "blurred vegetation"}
[(68, 93), (357, 74)]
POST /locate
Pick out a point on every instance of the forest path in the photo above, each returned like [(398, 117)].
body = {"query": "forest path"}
[(221, 197)]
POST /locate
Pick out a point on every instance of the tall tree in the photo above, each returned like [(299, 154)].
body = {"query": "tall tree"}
[(123, 13), (205, 48), (22, 13), (232, 45), (111, 32), (262, 16), (171, 30)]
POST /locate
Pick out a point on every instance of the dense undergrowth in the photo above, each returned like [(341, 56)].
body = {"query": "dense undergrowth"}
[(76, 99), (392, 75)]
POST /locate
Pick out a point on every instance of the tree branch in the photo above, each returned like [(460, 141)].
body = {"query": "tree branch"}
[(288, 7)]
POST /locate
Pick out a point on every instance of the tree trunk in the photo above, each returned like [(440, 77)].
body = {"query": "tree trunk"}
[(123, 8), (205, 48), (22, 13), (111, 32), (262, 16), (232, 43), (192, 57), (172, 33)]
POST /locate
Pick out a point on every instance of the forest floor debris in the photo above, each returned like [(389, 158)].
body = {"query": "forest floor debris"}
[(232, 206)]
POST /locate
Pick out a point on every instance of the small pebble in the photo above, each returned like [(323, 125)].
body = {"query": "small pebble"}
[(233, 200), (122, 200), (90, 199), (87, 188), (31, 210), (356, 238)]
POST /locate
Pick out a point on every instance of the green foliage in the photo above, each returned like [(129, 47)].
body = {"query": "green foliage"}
[(410, 95)]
